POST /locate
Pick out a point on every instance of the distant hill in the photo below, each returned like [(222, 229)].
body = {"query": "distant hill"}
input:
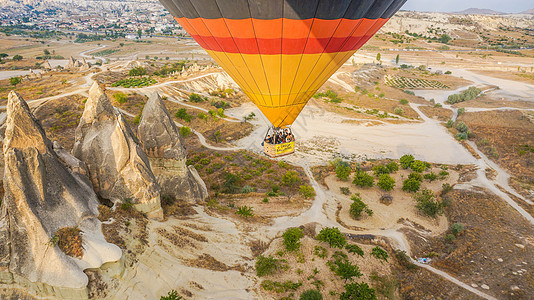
[(479, 11), (528, 11)]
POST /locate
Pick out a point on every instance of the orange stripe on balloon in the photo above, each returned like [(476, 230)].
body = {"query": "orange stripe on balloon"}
[(272, 29)]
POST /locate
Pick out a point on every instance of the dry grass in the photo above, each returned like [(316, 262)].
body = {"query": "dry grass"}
[(69, 240), (499, 134), (60, 118), (440, 113)]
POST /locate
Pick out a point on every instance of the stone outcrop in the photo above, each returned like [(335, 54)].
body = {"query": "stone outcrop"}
[(163, 144), (118, 167), (73, 63), (46, 65), (46, 189)]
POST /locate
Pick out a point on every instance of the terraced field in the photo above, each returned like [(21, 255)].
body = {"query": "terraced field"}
[(413, 83)]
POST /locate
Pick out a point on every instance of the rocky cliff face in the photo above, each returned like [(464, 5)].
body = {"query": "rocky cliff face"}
[(118, 167), (46, 189), (163, 144)]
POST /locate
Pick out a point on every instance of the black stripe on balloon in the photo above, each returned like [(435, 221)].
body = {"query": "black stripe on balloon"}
[(293, 9)]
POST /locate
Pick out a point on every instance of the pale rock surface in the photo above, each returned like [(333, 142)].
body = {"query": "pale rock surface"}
[(46, 189), (118, 167), (46, 65), (163, 144)]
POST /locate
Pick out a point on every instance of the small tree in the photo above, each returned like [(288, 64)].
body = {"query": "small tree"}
[(392, 167), (182, 114), (380, 253), (385, 182), (346, 270), (185, 131), (354, 249), (418, 166), (380, 169), (397, 59), (196, 98), (357, 207), (406, 161), (445, 38), (360, 291), (306, 191), (332, 236), (362, 179), (3, 55), (291, 238), (428, 204), (14, 81), (411, 185), (343, 171), (378, 57), (17, 57)]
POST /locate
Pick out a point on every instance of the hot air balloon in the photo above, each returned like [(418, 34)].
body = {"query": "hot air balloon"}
[(280, 52)]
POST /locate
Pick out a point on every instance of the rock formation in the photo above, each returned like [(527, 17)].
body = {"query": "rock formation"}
[(73, 63), (118, 167), (47, 66), (84, 65), (46, 189), (163, 144)]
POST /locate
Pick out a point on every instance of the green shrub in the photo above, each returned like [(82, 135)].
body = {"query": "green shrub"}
[(363, 179), (333, 237), (172, 295), (345, 269), (345, 190), (398, 111), (139, 71), (380, 169), (418, 166), (354, 249), (385, 182), (306, 191), (445, 188), (311, 295), (469, 94), (267, 265), (380, 253), (411, 185), (457, 228), (291, 238), (231, 183), (290, 178), (406, 161), (15, 80), (357, 207), (245, 211), (392, 167), (182, 114), (343, 171), (120, 97), (185, 131), (443, 174), (247, 189), (196, 98), (403, 101), (428, 204), (450, 124), (359, 291), (431, 176), (320, 251)]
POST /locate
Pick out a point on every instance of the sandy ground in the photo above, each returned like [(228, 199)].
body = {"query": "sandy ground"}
[(163, 266)]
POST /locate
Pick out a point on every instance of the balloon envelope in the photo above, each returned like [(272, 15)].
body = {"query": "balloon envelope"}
[(280, 52)]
